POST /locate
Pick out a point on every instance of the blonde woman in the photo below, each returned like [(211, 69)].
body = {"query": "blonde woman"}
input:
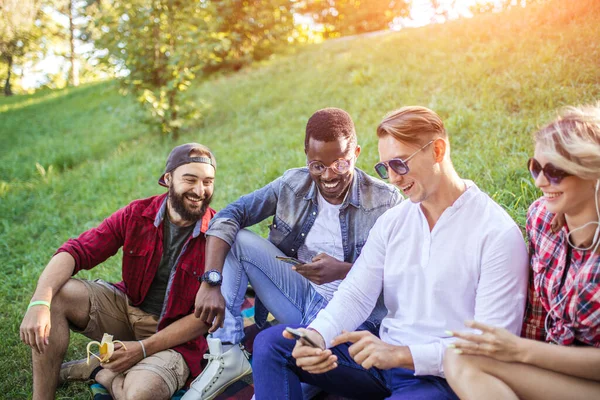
[(558, 357)]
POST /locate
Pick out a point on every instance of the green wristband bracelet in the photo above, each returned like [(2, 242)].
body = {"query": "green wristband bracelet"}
[(38, 303)]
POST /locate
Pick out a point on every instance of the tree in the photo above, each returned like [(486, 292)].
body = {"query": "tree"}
[(17, 33), (252, 30), (161, 46), (351, 17)]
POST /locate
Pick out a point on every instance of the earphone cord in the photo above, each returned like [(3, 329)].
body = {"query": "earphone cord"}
[(595, 244)]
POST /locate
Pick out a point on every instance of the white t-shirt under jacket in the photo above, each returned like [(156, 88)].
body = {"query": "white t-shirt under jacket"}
[(325, 236), (471, 266)]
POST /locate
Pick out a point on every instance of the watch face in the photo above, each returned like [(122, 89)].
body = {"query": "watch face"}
[(214, 276)]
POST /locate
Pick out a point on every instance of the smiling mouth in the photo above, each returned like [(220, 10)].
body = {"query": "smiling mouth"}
[(330, 186), (407, 187), (194, 199), (552, 196)]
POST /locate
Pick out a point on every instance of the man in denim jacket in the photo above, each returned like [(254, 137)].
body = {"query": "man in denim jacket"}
[(322, 215)]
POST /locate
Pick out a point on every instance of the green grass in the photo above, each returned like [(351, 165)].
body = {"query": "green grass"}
[(493, 79)]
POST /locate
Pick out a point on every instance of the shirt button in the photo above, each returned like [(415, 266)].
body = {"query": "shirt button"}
[(274, 225), (303, 234), (293, 250), (130, 251), (314, 213)]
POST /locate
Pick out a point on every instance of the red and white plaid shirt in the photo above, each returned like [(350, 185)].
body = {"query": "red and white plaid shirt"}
[(575, 308)]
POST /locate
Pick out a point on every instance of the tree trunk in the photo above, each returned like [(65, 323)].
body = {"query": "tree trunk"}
[(7, 88), (173, 92), (73, 78)]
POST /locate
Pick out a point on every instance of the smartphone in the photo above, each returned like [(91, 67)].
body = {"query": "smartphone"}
[(301, 335), (289, 260)]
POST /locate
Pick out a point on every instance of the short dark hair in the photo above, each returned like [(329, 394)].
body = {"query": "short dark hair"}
[(330, 124)]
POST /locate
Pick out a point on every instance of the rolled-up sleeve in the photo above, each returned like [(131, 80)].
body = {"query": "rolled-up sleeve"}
[(96, 245)]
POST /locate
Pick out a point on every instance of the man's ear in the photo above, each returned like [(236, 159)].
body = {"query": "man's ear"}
[(168, 178), (440, 147), (357, 151)]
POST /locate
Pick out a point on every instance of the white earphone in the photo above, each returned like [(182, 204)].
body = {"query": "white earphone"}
[(595, 244)]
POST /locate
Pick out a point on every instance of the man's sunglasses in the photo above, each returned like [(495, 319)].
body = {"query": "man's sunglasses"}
[(399, 165), (553, 174), (339, 166)]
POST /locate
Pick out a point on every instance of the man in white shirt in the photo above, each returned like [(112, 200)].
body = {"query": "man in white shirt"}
[(448, 255)]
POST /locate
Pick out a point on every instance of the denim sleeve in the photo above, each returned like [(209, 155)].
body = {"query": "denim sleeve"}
[(246, 211), (396, 197)]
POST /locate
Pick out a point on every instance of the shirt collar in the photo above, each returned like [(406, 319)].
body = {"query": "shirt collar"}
[(558, 222), (200, 227), (471, 190)]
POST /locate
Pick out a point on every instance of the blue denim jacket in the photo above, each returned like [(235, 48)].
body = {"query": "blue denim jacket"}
[(292, 202)]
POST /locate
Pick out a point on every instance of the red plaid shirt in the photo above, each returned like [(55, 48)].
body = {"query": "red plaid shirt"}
[(576, 319), (137, 228)]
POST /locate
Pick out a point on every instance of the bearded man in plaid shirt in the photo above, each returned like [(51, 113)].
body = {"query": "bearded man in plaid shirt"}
[(151, 310)]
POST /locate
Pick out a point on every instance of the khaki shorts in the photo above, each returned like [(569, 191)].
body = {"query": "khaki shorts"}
[(110, 312)]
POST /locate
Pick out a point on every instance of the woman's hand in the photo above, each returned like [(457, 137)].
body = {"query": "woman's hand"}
[(497, 343)]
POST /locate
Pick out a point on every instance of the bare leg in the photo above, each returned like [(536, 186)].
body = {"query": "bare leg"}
[(71, 303), (106, 377), (476, 377), (138, 385)]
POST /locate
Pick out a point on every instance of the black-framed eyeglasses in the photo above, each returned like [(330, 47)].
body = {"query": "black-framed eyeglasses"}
[(399, 165), (339, 166), (553, 174)]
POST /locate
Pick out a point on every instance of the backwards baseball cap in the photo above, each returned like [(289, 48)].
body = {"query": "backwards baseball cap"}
[(181, 155)]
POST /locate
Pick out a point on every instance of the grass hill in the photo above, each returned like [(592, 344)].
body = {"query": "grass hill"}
[(69, 158)]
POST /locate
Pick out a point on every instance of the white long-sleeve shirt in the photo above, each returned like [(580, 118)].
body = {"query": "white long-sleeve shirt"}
[(471, 266)]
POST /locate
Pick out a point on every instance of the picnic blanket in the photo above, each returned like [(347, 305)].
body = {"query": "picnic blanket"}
[(244, 388)]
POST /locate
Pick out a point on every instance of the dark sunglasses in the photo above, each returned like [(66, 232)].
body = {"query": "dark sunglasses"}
[(399, 165), (553, 174)]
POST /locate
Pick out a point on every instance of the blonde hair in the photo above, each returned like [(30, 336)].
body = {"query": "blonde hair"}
[(572, 141), (412, 124)]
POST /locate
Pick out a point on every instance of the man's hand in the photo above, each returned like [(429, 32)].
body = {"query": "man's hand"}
[(122, 359), (35, 328), (493, 342), (310, 359), (210, 306), (323, 269), (370, 351)]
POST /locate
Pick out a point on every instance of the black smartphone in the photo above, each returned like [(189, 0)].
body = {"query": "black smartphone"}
[(301, 335), (289, 260)]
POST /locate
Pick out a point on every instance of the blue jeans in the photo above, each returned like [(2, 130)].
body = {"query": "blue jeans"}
[(285, 293), (277, 377)]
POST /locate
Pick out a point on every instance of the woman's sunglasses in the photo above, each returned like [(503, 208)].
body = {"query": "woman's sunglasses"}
[(553, 174), (399, 165)]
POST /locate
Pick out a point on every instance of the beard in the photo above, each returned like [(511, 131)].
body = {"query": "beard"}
[(189, 214)]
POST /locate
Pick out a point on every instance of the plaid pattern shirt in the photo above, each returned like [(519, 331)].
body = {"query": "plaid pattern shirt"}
[(138, 229), (574, 309)]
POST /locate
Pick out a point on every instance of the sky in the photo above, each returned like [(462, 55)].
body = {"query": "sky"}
[(421, 12)]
